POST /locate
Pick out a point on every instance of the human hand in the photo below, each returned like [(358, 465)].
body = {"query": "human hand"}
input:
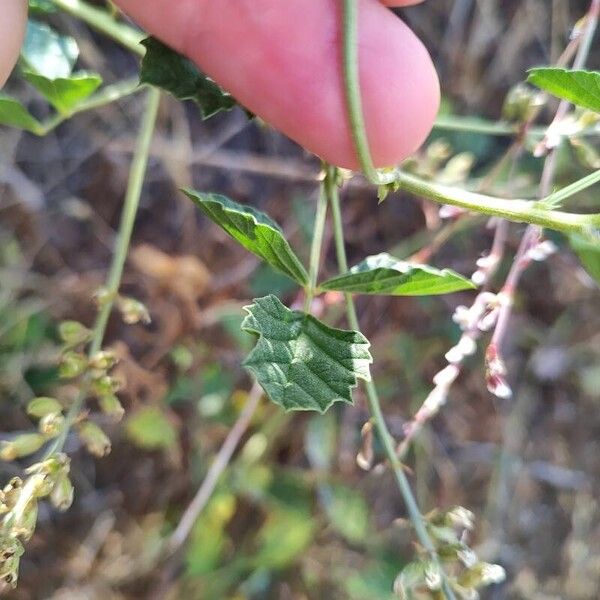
[(282, 61)]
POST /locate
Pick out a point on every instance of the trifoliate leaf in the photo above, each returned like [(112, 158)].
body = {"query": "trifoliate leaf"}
[(254, 230), (48, 53), (301, 363), (167, 69), (385, 275), (579, 87), (65, 93), (14, 114)]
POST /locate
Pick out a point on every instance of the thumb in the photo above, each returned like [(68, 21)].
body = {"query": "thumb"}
[(12, 32)]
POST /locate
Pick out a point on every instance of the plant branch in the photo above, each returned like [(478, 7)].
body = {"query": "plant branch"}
[(219, 464), (315, 249), (107, 95), (417, 519), (113, 282), (102, 21)]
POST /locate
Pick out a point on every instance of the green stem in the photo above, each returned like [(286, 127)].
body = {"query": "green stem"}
[(113, 282), (102, 21), (558, 197), (107, 95), (315, 250), (515, 210), (414, 513), (353, 96), (521, 211)]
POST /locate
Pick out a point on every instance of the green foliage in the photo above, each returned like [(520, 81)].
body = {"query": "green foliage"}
[(150, 428), (579, 87), (301, 363), (48, 53), (14, 114), (285, 535), (254, 230), (65, 93), (383, 274), (169, 70), (348, 513), (589, 254)]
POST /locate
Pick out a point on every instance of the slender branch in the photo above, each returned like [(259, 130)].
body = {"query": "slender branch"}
[(315, 250), (385, 436), (132, 199), (205, 491), (102, 21), (521, 211), (107, 95)]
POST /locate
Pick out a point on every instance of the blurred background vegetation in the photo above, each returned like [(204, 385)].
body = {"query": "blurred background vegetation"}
[(294, 518)]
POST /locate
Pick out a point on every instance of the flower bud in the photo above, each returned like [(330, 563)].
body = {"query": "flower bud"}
[(73, 333), (103, 360), (42, 406), (133, 311), (22, 445), (12, 491), (72, 364), (25, 524), (51, 425), (61, 495), (94, 439), (111, 406)]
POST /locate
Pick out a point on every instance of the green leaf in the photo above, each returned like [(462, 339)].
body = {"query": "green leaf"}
[(588, 252), (65, 93), (14, 114), (579, 87), (151, 429), (385, 275), (42, 6), (169, 70), (48, 53), (252, 229), (301, 363)]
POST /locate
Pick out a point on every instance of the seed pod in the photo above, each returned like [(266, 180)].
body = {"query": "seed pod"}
[(51, 425), (94, 439), (42, 406), (62, 494), (73, 333), (111, 406), (22, 445), (104, 385)]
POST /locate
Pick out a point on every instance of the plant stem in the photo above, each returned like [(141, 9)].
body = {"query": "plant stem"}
[(315, 250), (113, 282), (219, 464), (102, 21), (521, 211), (417, 519), (353, 95), (107, 95)]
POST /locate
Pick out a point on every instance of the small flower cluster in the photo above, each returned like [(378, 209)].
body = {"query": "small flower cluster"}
[(19, 507), (422, 579)]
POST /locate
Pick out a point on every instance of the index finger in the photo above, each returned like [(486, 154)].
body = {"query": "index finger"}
[(282, 61)]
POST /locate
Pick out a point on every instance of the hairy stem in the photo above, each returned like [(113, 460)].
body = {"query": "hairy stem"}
[(113, 282), (315, 250), (385, 436), (102, 21)]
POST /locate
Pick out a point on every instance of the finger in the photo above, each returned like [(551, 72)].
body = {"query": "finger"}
[(282, 60), (12, 31)]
